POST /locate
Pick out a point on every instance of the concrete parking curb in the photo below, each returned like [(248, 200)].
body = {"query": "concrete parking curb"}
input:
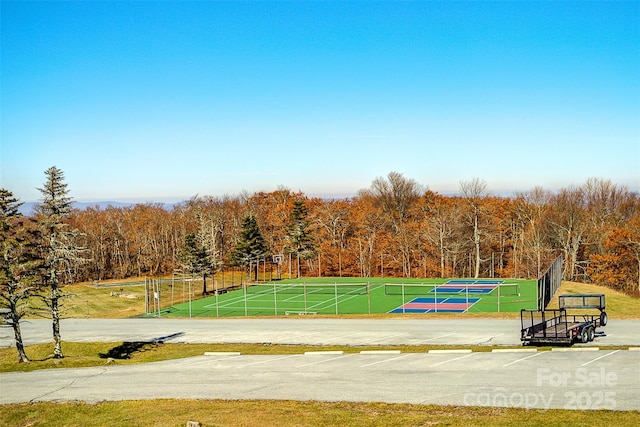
[(576, 349), (315, 353), (450, 351), (222, 353), (380, 352), (514, 350)]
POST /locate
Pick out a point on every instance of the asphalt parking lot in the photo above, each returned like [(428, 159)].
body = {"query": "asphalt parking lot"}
[(581, 377), (605, 379), (303, 330)]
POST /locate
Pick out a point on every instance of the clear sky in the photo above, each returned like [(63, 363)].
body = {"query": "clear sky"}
[(159, 101)]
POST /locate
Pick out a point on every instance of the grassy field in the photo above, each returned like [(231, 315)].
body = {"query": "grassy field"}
[(619, 305), (82, 355), (244, 413)]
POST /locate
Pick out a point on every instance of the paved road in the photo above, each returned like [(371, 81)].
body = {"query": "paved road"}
[(583, 379), (306, 330)]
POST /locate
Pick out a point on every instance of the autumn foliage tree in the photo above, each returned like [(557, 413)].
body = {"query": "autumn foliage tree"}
[(619, 266), (396, 227)]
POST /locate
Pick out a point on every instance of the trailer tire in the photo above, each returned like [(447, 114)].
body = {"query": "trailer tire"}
[(591, 333), (603, 318), (584, 335)]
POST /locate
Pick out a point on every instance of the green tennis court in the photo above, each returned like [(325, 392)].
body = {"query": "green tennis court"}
[(362, 296)]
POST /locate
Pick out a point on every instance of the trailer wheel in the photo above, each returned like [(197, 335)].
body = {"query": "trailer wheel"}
[(591, 333), (584, 335), (603, 318)]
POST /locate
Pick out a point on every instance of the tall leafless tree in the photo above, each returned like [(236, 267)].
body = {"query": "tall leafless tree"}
[(475, 191)]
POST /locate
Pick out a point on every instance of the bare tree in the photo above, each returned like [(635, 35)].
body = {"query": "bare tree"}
[(440, 227), (474, 191), (530, 209), (567, 222), (397, 196)]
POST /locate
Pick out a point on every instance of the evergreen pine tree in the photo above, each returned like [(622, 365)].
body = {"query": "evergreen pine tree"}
[(60, 252), (195, 260), (299, 241), (18, 266), (250, 247)]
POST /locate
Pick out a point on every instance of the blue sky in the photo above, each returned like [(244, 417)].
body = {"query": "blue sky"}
[(160, 101)]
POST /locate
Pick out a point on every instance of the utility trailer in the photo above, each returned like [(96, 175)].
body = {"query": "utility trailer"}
[(556, 326)]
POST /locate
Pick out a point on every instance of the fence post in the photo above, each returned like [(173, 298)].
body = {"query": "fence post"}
[(275, 300), (435, 298)]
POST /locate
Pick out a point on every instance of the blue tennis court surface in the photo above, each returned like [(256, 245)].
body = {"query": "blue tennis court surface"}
[(440, 305), (472, 286)]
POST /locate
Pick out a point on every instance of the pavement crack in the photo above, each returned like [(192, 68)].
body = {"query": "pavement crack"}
[(72, 382)]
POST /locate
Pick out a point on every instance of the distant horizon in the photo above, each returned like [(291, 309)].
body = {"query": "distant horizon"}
[(325, 196)]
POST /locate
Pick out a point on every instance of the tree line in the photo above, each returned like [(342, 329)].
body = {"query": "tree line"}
[(395, 228)]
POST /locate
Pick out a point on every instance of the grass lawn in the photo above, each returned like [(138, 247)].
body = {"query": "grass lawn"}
[(82, 355), (223, 413)]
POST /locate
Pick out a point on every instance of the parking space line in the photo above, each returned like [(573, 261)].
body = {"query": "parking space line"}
[(386, 360), (269, 360), (439, 336), (523, 358), (330, 339), (598, 358), (331, 359), (454, 359), (385, 338), (486, 339)]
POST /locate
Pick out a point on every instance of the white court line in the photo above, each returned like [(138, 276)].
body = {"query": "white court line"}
[(524, 358), (329, 303), (598, 358), (324, 360), (454, 359), (386, 360)]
